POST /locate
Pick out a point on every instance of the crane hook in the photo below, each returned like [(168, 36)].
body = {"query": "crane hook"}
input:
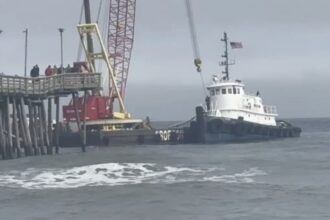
[(198, 63)]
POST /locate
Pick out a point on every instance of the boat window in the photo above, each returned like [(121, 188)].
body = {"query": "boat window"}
[(212, 92), (230, 91), (234, 90), (217, 91), (237, 90), (223, 91)]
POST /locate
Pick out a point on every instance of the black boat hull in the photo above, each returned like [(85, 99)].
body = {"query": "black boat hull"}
[(208, 129)]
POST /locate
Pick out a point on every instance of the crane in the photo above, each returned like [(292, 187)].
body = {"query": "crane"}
[(120, 42), (101, 107), (117, 56)]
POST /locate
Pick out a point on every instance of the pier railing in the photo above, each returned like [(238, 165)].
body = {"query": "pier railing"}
[(50, 85)]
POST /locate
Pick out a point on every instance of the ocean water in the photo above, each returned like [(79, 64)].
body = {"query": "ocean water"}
[(280, 179)]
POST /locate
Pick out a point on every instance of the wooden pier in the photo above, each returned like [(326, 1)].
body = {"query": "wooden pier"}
[(26, 125)]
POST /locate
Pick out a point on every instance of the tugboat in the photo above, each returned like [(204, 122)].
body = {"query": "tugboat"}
[(232, 115)]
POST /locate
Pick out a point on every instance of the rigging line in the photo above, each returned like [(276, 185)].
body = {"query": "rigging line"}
[(105, 36), (102, 29), (203, 83), (181, 123), (79, 53), (99, 11), (81, 13)]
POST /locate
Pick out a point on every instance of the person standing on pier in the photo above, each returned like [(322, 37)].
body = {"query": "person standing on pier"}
[(68, 69), (59, 70), (55, 70), (32, 72), (49, 71), (35, 71)]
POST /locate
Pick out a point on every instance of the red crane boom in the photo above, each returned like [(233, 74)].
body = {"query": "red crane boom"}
[(120, 40)]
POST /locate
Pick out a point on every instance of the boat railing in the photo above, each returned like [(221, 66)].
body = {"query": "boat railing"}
[(267, 110), (270, 109), (212, 112), (60, 83), (217, 80)]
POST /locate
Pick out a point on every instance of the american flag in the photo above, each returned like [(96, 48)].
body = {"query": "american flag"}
[(236, 45)]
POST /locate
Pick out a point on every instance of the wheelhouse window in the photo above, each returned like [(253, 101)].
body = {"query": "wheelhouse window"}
[(212, 92), (234, 90), (217, 91), (223, 91), (237, 91), (230, 91)]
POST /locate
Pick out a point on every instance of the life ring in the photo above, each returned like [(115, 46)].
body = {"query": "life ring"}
[(215, 126)]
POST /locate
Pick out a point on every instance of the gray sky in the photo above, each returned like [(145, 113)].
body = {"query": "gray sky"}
[(286, 50)]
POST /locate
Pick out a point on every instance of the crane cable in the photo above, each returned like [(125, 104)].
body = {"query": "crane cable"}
[(105, 30), (79, 54), (99, 11), (195, 46), (102, 30)]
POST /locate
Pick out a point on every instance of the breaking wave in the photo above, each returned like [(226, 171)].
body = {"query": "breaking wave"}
[(112, 174)]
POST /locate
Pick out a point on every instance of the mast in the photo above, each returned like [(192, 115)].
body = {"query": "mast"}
[(88, 20), (225, 55)]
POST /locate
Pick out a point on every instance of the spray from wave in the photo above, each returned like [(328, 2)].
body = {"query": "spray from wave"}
[(112, 174)]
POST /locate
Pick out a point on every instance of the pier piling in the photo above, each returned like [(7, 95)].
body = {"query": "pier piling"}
[(16, 130), (50, 127), (25, 128), (84, 123), (57, 129), (9, 129)]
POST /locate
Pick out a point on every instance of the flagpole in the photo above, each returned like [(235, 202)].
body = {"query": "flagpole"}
[(26, 31)]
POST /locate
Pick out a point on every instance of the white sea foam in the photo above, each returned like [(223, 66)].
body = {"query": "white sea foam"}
[(111, 174)]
